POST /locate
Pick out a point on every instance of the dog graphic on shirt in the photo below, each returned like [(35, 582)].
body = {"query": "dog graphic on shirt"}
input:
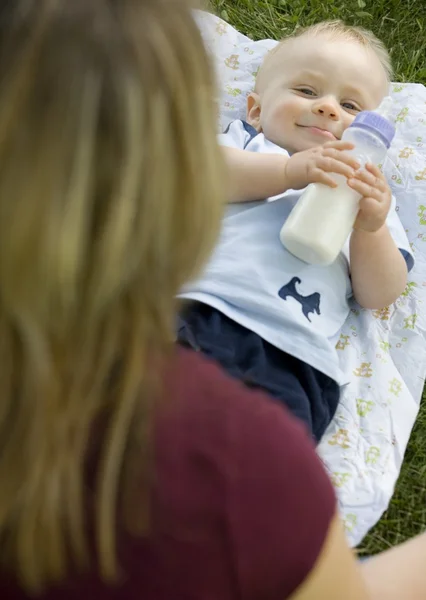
[(310, 304)]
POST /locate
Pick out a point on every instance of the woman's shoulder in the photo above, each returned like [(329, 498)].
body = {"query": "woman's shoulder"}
[(198, 393), (210, 405), (251, 466)]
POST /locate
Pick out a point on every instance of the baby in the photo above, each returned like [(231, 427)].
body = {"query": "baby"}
[(308, 91)]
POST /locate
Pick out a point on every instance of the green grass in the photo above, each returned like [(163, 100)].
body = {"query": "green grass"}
[(402, 26)]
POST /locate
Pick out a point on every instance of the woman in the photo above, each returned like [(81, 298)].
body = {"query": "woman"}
[(128, 468)]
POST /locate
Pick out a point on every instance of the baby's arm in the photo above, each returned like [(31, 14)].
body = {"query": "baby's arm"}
[(254, 176), (378, 269)]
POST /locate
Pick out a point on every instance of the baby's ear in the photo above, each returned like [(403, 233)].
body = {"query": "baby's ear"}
[(253, 111)]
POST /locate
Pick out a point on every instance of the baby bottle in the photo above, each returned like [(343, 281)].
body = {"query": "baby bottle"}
[(321, 221)]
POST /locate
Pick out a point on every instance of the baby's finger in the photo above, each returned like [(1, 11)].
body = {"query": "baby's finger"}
[(319, 176), (339, 145), (365, 189), (370, 179), (332, 165), (375, 171), (371, 208), (341, 156)]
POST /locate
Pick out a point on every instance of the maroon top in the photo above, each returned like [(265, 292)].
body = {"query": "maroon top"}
[(241, 503)]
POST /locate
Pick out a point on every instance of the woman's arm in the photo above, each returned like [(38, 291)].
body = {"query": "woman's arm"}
[(399, 573), (337, 574)]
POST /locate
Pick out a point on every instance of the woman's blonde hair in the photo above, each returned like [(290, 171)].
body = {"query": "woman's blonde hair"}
[(110, 199)]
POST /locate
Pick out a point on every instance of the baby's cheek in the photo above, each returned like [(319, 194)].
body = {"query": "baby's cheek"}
[(273, 130), (275, 121), (348, 120)]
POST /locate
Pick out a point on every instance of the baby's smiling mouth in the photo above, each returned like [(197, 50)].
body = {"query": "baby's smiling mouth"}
[(319, 131)]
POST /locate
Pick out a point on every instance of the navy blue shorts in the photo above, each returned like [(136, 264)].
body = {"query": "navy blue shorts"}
[(309, 394)]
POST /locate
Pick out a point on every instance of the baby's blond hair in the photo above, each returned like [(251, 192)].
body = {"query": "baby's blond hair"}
[(337, 30)]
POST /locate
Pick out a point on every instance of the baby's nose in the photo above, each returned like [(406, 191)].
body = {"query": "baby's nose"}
[(327, 108)]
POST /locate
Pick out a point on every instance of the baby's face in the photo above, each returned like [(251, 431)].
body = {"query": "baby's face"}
[(312, 89)]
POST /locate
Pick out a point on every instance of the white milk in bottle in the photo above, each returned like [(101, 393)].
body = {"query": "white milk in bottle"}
[(321, 221)]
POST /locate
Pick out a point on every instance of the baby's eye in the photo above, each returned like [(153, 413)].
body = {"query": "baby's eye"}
[(306, 91), (350, 106)]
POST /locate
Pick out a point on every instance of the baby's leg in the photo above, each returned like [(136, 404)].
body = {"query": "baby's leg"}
[(207, 330), (310, 395)]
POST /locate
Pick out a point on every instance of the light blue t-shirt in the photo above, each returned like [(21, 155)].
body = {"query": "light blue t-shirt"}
[(256, 282)]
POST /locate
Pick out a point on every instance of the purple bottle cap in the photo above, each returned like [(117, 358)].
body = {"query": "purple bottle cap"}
[(376, 124)]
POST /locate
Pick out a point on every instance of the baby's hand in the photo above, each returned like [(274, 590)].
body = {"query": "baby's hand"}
[(376, 198), (317, 164)]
